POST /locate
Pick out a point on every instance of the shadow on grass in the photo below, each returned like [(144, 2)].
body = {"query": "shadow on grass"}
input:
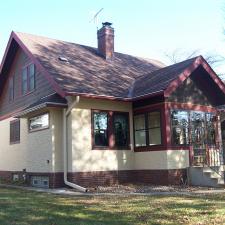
[(24, 208)]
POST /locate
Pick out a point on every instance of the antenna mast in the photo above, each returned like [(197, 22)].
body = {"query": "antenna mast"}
[(95, 18)]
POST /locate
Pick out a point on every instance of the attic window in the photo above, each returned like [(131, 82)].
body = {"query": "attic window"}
[(63, 59)]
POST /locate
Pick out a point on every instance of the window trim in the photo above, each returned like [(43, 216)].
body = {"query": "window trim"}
[(38, 129), (28, 79), (149, 147), (13, 122), (111, 142)]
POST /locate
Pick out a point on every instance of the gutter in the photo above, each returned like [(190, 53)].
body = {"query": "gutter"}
[(65, 150)]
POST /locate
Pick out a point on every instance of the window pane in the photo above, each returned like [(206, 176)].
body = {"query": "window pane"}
[(139, 122), (11, 89), (198, 128), (153, 119), (31, 77), (180, 124), (211, 138), (140, 138), (101, 128), (24, 81), (155, 136), (121, 129), (39, 122)]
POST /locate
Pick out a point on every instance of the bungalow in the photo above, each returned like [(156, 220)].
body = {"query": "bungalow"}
[(80, 116)]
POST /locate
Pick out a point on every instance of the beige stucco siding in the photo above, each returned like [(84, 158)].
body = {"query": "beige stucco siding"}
[(39, 151), (164, 160), (82, 157)]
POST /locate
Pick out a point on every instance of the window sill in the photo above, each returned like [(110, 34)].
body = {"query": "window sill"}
[(107, 148), (14, 143), (39, 129)]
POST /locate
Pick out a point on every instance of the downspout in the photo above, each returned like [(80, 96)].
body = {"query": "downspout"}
[(66, 113)]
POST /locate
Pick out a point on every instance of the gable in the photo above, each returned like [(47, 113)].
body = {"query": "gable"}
[(189, 92), (198, 88), (42, 86)]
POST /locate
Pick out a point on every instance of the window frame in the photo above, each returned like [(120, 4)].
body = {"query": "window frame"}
[(38, 129), (28, 78), (12, 139), (110, 127), (148, 146)]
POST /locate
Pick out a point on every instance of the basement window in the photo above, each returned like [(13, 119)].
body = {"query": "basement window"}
[(39, 122)]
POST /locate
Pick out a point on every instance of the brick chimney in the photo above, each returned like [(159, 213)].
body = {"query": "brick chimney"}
[(106, 41)]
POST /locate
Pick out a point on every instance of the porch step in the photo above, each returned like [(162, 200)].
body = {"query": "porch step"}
[(206, 176)]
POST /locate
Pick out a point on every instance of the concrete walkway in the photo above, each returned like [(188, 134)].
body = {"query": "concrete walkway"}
[(70, 192)]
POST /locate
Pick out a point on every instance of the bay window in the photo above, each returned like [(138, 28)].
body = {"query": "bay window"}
[(147, 129)]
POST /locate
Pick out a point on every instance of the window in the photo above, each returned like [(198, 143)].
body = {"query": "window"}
[(31, 79), (110, 129), (179, 123), (121, 129), (11, 89), (154, 128), (210, 128), (101, 128), (147, 129), (28, 79), (193, 127), (14, 131), (39, 122)]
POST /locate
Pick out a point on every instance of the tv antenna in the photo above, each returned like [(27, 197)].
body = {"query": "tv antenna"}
[(95, 17)]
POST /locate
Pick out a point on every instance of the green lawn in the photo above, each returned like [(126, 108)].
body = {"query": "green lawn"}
[(30, 208)]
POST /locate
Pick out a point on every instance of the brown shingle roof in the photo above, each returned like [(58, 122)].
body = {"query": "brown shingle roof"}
[(86, 71), (160, 79)]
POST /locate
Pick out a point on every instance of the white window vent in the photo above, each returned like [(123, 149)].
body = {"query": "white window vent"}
[(15, 177)]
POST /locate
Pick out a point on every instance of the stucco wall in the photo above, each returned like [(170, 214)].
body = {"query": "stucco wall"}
[(81, 156), (34, 149), (170, 159)]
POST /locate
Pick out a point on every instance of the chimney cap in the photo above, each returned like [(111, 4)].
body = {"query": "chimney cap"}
[(108, 24)]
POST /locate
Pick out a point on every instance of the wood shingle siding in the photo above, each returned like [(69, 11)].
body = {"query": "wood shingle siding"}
[(43, 88)]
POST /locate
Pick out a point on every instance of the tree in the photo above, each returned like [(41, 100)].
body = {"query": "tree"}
[(214, 60)]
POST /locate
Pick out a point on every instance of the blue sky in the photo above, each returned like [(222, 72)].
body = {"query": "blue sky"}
[(147, 28)]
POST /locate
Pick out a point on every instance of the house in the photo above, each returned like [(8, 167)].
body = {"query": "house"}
[(80, 116)]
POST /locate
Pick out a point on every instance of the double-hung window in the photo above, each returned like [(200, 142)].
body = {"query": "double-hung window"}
[(28, 79)]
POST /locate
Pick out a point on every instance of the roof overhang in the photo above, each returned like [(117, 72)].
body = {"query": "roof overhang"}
[(29, 110)]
